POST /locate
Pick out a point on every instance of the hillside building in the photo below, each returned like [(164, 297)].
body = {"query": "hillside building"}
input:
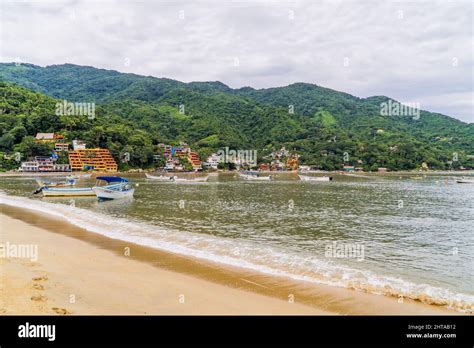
[(97, 159)]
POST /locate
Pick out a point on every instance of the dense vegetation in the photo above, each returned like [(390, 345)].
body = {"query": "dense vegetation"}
[(135, 113)]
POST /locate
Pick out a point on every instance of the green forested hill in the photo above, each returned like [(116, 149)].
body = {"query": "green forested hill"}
[(135, 113), (83, 83)]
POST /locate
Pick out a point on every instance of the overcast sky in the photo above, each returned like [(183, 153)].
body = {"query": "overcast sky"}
[(415, 51)]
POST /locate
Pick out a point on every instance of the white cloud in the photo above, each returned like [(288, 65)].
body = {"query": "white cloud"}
[(418, 51)]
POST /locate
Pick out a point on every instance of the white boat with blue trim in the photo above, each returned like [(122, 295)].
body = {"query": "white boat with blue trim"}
[(116, 188)]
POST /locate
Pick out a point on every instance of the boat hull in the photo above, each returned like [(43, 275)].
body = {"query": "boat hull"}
[(202, 179), (465, 181), (160, 178), (67, 192), (105, 193), (252, 177), (264, 178), (176, 179), (314, 178)]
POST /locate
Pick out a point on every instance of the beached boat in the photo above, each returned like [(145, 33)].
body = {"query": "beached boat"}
[(465, 181), (255, 176), (160, 178), (66, 192), (314, 178), (67, 183), (116, 188)]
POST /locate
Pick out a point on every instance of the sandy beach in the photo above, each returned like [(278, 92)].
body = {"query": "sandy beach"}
[(78, 272)]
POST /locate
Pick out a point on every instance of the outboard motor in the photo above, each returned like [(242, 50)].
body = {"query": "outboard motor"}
[(38, 190)]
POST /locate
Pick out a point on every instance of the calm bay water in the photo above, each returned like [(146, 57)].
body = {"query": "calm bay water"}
[(416, 234)]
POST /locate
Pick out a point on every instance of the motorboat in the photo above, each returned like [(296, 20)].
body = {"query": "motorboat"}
[(160, 177), (115, 188), (465, 180), (66, 191), (255, 176), (314, 178), (196, 179)]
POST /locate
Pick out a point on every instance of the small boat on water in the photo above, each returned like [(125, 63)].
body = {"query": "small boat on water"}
[(197, 179), (314, 178), (68, 182), (160, 178), (116, 188), (175, 178), (255, 176), (465, 180), (66, 191)]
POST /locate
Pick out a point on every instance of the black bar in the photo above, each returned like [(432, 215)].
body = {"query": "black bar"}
[(260, 330)]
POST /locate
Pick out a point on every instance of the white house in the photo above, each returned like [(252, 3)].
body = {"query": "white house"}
[(78, 145), (212, 161)]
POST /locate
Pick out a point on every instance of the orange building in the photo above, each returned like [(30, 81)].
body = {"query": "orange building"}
[(194, 159), (61, 147), (99, 159), (292, 163)]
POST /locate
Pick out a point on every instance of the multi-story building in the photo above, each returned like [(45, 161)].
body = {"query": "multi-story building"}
[(78, 145), (169, 165), (167, 152), (193, 158), (44, 164), (180, 151), (97, 159), (174, 155), (212, 161), (61, 147), (29, 166), (62, 167)]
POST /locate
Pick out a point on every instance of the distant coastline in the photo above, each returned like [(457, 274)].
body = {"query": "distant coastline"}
[(143, 171)]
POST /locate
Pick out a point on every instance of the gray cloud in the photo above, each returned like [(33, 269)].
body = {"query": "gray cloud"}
[(412, 51)]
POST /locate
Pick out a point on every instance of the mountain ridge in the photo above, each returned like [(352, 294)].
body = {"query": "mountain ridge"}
[(195, 83), (302, 116)]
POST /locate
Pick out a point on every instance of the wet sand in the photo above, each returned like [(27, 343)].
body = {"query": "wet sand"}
[(79, 272)]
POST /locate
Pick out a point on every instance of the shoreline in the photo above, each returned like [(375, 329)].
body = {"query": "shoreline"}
[(74, 277), (92, 261), (340, 172)]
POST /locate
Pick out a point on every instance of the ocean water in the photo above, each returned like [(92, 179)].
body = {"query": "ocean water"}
[(391, 234)]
